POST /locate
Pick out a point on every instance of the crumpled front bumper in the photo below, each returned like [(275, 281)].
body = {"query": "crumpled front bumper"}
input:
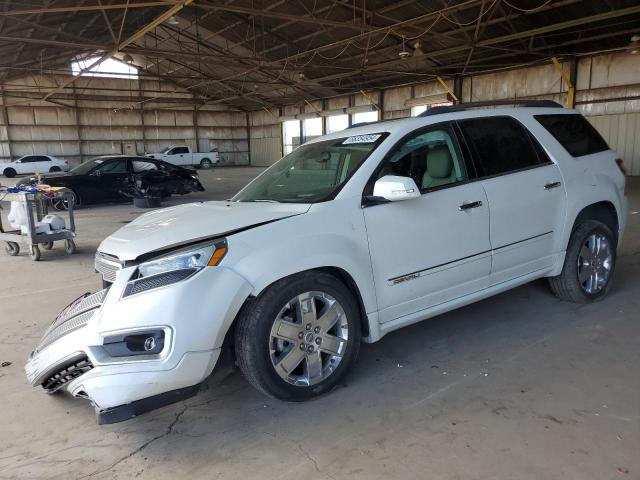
[(194, 315)]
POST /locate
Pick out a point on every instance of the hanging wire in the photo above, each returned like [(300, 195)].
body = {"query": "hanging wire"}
[(472, 21), (527, 10)]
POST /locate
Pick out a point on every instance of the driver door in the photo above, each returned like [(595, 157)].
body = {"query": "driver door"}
[(429, 250)]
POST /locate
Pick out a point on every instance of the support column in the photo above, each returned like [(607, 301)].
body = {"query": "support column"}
[(5, 119), (195, 124), (248, 122), (457, 88), (142, 125), (76, 112)]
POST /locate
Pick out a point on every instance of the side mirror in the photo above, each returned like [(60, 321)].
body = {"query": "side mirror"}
[(395, 189)]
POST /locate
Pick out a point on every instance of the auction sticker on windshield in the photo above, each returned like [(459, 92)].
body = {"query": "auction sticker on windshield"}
[(369, 138)]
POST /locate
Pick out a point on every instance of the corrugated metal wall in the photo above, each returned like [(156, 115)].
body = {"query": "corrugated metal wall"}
[(266, 138), (622, 133), (608, 92), (121, 125)]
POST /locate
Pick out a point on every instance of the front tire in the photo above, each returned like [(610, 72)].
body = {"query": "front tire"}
[(9, 172), (298, 338), (589, 264)]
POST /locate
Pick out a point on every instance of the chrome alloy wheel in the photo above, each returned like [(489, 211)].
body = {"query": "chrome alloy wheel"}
[(595, 262), (308, 338)]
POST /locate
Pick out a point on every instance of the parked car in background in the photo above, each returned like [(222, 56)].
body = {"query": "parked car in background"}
[(33, 164), (349, 237), (184, 156), (112, 178)]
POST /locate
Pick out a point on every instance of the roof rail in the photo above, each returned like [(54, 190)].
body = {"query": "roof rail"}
[(491, 103), (374, 122)]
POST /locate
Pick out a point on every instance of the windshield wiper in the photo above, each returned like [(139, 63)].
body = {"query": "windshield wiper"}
[(265, 200)]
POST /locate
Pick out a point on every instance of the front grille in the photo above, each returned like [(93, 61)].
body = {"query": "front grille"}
[(108, 266), (75, 316), (72, 370), (64, 328)]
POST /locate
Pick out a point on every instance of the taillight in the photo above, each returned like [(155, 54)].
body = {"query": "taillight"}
[(620, 164)]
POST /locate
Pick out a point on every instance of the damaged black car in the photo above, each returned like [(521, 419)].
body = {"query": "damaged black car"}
[(121, 178)]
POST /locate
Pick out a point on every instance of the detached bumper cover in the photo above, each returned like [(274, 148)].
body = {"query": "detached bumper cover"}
[(194, 315)]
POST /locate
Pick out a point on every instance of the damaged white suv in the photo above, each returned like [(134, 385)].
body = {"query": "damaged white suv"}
[(349, 237)]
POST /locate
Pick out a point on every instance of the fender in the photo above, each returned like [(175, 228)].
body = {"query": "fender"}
[(274, 251)]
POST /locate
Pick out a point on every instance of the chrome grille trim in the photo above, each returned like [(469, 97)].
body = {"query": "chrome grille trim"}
[(89, 302), (75, 316), (64, 328), (108, 266)]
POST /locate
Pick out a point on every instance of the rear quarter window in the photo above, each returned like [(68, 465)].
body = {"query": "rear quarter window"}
[(574, 133)]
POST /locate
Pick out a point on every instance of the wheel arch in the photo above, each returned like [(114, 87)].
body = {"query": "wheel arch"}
[(75, 192), (341, 274), (603, 211)]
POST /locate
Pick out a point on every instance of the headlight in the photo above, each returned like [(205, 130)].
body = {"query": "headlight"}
[(175, 267)]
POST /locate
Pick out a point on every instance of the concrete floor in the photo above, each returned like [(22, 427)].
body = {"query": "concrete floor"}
[(518, 386)]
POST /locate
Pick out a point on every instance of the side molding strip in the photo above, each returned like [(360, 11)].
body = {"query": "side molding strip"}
[(413, 275)]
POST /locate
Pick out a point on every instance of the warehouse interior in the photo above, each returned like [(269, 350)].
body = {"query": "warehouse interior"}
[(517, 386)]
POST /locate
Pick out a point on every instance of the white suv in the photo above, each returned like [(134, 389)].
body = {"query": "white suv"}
[(349, 237)]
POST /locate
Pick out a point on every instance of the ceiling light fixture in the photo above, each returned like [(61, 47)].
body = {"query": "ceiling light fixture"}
[(403, 53), (417, 49), (634, 46), (173, 20)]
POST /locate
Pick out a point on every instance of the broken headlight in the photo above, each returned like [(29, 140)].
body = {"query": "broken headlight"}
[(175, 266)]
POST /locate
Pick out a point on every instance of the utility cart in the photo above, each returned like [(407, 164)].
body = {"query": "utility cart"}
[(37, 207)]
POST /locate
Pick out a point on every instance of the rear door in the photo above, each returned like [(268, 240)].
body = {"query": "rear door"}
[(527, 200)]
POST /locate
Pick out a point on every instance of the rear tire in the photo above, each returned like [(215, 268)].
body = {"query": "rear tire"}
[(9, 172), (205, 164), (589, 264), (299, 337), (54, 169)]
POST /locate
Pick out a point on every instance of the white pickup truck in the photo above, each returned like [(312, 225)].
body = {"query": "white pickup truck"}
[(184, 156)]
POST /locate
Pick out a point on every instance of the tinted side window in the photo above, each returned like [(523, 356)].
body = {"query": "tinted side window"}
[(114, 166), (574, 133), (499, 144), (180, 150), (29, 159), (432, 158)]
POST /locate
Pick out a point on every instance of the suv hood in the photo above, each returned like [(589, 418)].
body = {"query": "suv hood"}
[(169, 227)]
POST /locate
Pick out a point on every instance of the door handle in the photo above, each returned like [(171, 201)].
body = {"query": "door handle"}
[(468, 205), (549, 186)]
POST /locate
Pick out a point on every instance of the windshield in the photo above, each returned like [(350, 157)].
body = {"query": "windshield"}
[(165, 150), (86, 167), (311, 173)]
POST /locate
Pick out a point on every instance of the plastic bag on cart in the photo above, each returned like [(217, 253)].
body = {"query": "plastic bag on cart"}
[(18, 215), (55, 222)]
